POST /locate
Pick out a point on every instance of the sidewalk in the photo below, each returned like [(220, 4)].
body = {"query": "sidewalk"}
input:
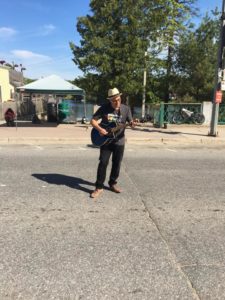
[(51, 133)]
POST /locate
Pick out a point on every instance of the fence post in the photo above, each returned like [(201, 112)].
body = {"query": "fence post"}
[(161, 114)]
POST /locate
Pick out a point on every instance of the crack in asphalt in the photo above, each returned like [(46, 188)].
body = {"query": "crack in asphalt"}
[(170, 251)]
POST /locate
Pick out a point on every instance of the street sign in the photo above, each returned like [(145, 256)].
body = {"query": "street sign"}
[(218, 98)]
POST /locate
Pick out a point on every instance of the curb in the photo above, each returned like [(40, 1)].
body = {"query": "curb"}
[(42, 141), (130, 141)]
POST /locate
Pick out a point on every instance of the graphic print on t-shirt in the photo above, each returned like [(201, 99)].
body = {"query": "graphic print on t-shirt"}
[(113, 118)]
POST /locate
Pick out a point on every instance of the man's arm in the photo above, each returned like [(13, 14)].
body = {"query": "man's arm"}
[(129, 118)]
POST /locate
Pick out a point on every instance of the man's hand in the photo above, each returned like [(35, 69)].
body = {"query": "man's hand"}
[(132, 124), (102, 131)]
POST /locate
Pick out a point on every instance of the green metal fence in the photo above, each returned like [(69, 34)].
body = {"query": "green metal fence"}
[(167, 111), (221, 117), (163, 113)]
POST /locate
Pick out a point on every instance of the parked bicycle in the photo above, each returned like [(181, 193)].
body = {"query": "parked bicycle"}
[(188, 116)]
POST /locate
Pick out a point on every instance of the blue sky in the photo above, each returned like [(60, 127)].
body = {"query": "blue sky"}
[(37, 33)]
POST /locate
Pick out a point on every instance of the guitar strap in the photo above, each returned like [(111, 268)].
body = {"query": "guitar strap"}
[(119, 116)]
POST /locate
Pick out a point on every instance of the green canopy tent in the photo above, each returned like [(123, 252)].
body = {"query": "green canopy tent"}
[(53, 85)]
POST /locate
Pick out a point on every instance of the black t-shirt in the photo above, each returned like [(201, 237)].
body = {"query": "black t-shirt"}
[(108, 114)]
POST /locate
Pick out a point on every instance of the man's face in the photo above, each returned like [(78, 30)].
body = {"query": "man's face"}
[(115, 102)]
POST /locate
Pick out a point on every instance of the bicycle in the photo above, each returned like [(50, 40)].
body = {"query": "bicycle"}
[(188, 116)]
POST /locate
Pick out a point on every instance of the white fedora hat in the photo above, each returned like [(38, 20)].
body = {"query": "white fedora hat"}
[(113, 93)]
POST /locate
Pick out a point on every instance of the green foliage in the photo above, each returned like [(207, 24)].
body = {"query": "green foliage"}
[(114, 40), (28, 80), (152, 97), (196, 60), (178, 13), (117, 33)]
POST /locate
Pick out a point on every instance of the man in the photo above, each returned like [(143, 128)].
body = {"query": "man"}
[(117, 113)]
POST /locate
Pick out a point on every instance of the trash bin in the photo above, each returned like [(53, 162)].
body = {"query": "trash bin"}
[(66, 112), (52, 112)]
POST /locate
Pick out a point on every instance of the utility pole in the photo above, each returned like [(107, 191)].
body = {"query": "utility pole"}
[(217, 96), (85, 108), (144, 87)]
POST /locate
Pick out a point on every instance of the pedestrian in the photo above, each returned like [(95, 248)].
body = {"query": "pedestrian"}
[(10, 117), (113, 112)]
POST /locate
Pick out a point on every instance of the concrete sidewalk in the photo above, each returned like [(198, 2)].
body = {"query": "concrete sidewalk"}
[(51, 133)]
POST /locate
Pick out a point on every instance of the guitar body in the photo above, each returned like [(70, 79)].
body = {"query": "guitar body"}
[(100, 140)]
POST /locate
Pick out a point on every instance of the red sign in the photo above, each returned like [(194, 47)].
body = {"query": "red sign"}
[(218, 98)]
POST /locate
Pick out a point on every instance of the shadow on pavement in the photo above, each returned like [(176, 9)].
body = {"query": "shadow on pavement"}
[(156, 130), (168, 132), (59, 179), (198, 134)]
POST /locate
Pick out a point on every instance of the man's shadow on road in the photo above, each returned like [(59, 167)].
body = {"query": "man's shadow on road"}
[(59, 179)]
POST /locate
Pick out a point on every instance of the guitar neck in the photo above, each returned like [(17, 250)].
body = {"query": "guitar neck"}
[(118, 127)]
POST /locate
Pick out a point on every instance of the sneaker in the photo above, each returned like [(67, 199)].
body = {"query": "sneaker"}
[(114, 188), (96, 193)]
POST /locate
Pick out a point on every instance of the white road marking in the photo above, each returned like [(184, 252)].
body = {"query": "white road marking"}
[(39, 147), (76, 149), (2, 184), (36, 146), (171, 150)]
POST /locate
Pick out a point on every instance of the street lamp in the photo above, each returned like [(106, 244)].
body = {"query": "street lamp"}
[(144, 87), (21, 70)]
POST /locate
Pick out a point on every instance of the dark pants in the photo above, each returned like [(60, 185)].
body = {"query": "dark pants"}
[(117, 156)]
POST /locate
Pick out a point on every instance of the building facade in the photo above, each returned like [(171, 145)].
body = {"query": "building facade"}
[(10, 79)]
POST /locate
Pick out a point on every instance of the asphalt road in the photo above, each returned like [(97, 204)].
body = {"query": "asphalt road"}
[(162, 238)]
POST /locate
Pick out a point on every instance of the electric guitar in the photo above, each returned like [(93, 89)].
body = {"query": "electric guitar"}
[(100, 140)]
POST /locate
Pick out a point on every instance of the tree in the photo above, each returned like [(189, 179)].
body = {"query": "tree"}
[(196, 57), (174, 26), (114, 39)]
